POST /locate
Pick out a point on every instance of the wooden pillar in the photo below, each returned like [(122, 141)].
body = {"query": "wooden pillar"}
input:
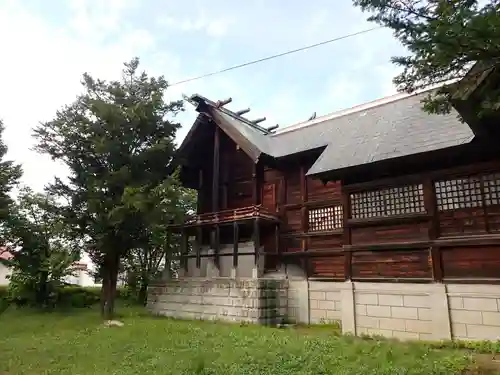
[(303, 211), (215, 171), (257, 178), (433, 229), (184, 250), (199, 239), (215, 237), (217, 245), (199, 201), (235, 244), (256, 240), (346, 238)]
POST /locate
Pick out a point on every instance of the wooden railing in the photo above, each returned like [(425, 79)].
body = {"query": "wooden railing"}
[(237, 214)]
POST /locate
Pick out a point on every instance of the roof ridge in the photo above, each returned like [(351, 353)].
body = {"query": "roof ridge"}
[(228, 112)]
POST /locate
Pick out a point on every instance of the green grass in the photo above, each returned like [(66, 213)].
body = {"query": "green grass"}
[(77, 343)]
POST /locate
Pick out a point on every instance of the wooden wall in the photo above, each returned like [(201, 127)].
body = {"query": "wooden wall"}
[(441, 225)]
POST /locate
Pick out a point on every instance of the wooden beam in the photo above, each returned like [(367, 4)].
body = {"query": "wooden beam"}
[(346, 240), (217, 245), (235, 243), (259, 120), (436, 263), (242, 111), (215, 170), (303, 209), (222, 103), (433, 229), (256, 239), (184, 250), (199, 239), (199, 202)]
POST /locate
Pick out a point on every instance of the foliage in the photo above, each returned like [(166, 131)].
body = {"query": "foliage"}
[(145, 263), (42, 253), (444, 38), (146, 344), (116, 139), (78, 297), (10, 174)]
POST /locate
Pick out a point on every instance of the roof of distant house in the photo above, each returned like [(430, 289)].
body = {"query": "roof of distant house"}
[(5, 254)]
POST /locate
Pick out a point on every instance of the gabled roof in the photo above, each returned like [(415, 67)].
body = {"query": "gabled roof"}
[(384, 129)]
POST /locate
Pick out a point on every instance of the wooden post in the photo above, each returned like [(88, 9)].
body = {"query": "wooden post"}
[(303, 210), (184, 249), (199, 239), (346, 238), (257, 178), (199, 202), (256, 240), (235, 244), (433, 230), (215, 171), (217, 245)]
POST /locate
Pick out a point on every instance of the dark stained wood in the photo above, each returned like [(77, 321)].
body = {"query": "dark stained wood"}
[(391, 264), (184, 249), (235, 244), (235, 188), (215, 171), (199, 239), (437, 265), (331, 267), (256, 239), (471, 262), (390, 233), (216, 244)]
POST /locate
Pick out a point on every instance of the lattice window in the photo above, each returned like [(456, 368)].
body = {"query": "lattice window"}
[(458, 193), (491, 186), (388, 202), (325, 218), (468, 192)]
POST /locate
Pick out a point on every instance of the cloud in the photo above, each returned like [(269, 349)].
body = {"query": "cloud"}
[(212, 26), (41, 68)]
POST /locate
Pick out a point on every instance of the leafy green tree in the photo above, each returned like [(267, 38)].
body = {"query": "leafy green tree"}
[(445, 39), (117, 139), (10, 173), (170, 202), (42, 252)]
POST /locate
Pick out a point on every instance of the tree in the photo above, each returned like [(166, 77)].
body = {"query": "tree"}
[(10, 173), (42, 252), (117, 139), (170, 203), (445, 39)]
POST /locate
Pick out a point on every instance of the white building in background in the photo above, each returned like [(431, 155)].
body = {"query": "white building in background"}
[(4, 270), (82, 275)]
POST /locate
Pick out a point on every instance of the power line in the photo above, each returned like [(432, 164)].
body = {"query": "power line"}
[(277, 55)]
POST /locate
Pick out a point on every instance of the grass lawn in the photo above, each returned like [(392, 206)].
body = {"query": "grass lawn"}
[(77, 343)]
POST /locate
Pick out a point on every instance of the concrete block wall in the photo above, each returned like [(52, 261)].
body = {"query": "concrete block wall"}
[(393, 310), (325, 302), (474, 311), (238, 300)]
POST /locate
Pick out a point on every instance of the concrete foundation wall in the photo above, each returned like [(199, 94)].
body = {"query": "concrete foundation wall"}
[(399, 310), (238, 300)]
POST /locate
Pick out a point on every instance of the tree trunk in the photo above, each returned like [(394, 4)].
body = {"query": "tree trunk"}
[(143, 290), (104, 291), (111, 270)]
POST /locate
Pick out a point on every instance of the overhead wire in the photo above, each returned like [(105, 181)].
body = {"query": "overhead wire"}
[(252, 62)]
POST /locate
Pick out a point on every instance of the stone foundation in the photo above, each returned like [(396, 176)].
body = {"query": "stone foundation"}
[(237, 300), (399, 310)]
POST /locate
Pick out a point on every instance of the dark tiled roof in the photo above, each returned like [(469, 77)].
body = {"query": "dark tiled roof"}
[(389, 128)]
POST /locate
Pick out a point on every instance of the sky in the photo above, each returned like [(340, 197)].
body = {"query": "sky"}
[(47, 46)]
